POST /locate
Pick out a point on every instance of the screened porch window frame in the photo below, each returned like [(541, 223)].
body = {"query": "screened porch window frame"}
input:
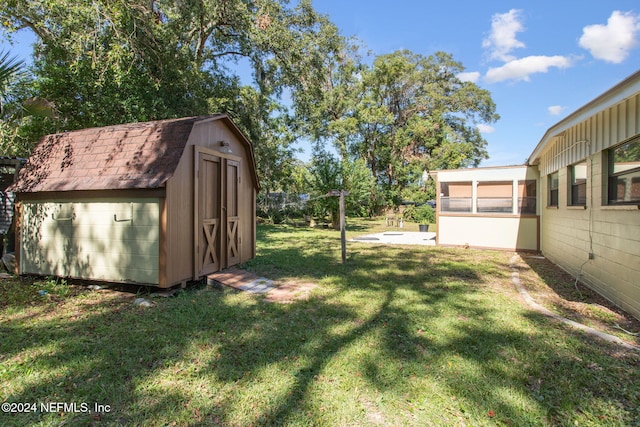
[(528, 199), (521, 199), (465, 202), (494, 204)]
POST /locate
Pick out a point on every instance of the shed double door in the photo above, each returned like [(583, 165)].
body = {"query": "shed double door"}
[(217, 215)]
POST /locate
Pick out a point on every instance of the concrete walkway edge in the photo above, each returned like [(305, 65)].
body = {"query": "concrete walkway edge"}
[(515, 278)]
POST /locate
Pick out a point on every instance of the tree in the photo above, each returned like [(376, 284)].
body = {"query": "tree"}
[(329, 173), (18, 106), (363, 199), (10, 68), (113, 61), (419, 116), (266, 121), (330, 118), (404, 115)]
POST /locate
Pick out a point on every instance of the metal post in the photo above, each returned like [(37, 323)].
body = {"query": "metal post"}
[(343, 228)]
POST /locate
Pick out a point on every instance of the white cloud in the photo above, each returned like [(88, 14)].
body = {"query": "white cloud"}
[(485, 128), (555, 110), (472, 76), (502, 39), (612, 42), (521, 69)]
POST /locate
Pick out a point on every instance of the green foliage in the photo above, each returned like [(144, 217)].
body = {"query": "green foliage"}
[(404, 114), (627, 153), (107, 62), (419, 192), (423, 214), (279, 208), (10, 72), (20, 108), (10, 68), (329, 173), (363, 199), (325, 176), (264, 121)]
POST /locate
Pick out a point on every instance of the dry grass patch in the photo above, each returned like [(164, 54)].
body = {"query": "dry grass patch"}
[(556, 289)]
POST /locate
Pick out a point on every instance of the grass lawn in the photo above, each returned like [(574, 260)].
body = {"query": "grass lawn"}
[(396, 336)]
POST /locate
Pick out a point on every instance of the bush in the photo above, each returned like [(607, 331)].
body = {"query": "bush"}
[(423, 214)]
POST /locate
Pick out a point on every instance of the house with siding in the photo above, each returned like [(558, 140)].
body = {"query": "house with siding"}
[(576, 200)]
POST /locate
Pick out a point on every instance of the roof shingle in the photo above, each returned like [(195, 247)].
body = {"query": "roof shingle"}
[(129, 156)]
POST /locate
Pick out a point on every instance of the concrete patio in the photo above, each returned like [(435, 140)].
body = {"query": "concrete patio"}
[(399, 238)]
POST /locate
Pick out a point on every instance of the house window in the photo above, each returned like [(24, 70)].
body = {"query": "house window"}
[(552, 183), (578, 184), (527, 196), (495, 197), (624, 173), (455, 196)]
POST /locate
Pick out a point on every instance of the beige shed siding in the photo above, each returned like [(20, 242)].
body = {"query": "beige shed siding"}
[(180, 204), (179, 221), (611, 233), (112, 240), (205, 135)]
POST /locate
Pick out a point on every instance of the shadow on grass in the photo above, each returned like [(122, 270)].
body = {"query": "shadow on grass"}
[(578, 302), (395, 336)]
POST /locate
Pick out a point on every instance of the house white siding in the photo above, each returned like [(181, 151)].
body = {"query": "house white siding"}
[(486, 232), (506, 228), (598, 242)]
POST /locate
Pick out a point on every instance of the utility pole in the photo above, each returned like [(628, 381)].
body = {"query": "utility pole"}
[(343, 221)]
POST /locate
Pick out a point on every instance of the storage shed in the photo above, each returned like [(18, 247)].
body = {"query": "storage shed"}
[(157, 203)]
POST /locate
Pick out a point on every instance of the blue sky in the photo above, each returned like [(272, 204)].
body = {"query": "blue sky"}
[(541, 60)]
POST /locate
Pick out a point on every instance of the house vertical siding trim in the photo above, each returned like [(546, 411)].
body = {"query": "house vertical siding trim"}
[(594, 134), (597, 243)]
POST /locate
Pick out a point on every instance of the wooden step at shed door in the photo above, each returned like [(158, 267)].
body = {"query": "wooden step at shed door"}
[(208, 213), (232, 213)]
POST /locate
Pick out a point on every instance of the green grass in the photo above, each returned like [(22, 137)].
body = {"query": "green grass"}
[(396, 336)]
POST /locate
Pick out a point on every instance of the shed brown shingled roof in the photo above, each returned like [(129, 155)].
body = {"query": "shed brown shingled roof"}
[(129, 156)]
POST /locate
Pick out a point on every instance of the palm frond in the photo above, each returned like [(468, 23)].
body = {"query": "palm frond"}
[(9, 67)]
